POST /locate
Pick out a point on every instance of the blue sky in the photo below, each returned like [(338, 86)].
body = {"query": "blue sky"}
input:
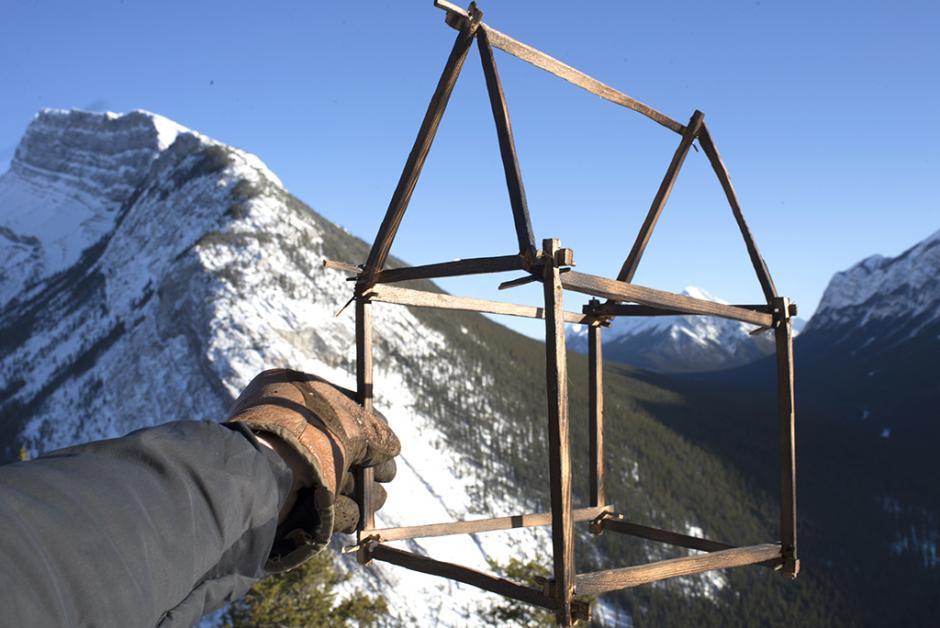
[(825, 113)]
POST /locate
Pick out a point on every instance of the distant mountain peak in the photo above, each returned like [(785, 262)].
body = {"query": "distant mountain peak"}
[(675, 344), (902, 292)]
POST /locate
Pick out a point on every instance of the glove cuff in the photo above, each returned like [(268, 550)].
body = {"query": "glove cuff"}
[(307, 528)]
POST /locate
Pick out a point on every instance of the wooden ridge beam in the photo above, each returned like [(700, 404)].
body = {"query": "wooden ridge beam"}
[(456, 268), (422, 298), (419, 152), (562, 70), (621, 291), (478, 525), (628, 270), (507, 149), (760, 267), (599, 582)]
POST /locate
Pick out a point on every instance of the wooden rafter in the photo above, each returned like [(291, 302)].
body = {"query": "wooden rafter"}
[(507, 149)]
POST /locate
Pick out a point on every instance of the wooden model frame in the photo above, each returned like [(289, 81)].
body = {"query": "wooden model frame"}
[(551, 266)]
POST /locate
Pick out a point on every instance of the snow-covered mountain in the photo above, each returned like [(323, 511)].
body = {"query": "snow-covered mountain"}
[(150, 272), (886, 299), (679, 344)]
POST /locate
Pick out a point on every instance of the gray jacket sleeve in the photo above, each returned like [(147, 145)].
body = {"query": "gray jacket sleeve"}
[(155, 528)]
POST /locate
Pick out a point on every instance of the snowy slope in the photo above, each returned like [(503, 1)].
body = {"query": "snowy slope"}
[(151, 255), (678, 344)]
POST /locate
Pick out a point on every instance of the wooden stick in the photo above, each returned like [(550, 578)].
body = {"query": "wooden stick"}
[(343, 266), (478, 525), (621, 291), (627, 309), (760, 267), (663, 536), (614, 579), (507, 150), (783, 334), (424, 564), (419, 152), (519, 281), (628, 270), (364, 475), (422, 298), (470, 266), (559, 450), (553, 66), (596, 415)]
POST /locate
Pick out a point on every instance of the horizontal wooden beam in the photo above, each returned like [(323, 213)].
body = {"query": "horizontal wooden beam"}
[(622, 291), (663, 536), (456, 268), (433, 567), (627, 309), (479, 525), (598, 582), (422, 298), (562, 70)]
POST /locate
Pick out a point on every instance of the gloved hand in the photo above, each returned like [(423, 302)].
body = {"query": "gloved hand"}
[(318, 422)]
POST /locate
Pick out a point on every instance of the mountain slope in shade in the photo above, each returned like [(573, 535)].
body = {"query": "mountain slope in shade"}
[(679, 344), (192, 269)]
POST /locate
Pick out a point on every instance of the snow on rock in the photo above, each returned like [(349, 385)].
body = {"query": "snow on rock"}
[(902, 291), (155, 271)]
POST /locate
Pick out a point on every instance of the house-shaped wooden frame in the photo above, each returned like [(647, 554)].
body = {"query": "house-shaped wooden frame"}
[(550, 265)]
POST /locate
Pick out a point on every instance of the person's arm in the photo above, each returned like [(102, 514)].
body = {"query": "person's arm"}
[(167, 523)]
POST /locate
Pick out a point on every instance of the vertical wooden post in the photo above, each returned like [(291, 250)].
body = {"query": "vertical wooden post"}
[(364, 476), (783, 333), (559, 451), (596, 414)]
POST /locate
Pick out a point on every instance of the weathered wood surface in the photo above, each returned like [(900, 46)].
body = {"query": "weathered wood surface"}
[(629, 309), (559, 447), (479, 525), (422, 298), (663, 536), (507, 149), (433, 567), (628, 270), (599, 582), (342, 266), (562, 70), (783, 335), (621, 291), (521, 281), (455, 268), (760, 267), (596, 491), (364, 476), (419, 152)]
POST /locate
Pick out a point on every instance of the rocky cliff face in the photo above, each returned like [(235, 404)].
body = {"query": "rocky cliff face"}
[(153, 272)]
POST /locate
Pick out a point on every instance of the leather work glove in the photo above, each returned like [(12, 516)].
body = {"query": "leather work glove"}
[(318, 422)]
